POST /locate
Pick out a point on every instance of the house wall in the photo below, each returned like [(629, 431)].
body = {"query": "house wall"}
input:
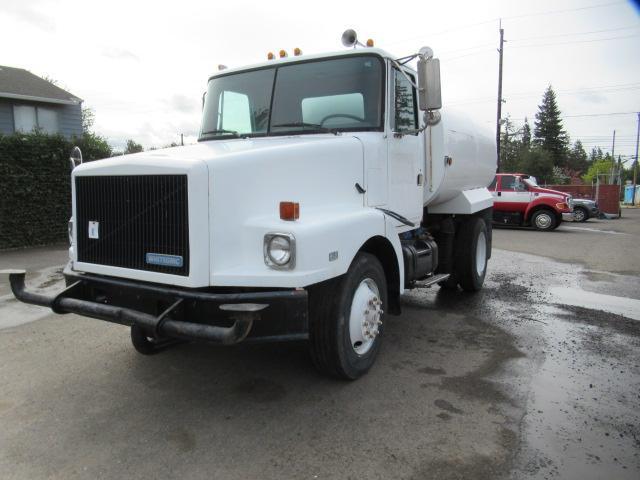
[(69, 117), (6, 117)]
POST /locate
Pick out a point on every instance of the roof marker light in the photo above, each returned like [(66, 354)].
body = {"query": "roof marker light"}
[(283, 54), (297, 52), (270, 56), (370, 42)]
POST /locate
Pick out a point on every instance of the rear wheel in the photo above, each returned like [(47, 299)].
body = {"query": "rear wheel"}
[(472, 249), (345, 319), (544, 220)]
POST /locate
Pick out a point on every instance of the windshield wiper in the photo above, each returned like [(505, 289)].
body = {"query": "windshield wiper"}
[(230, 132), (315, 126)]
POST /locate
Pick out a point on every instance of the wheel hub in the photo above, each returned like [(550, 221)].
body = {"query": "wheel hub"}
[(365, 318), (543, 221)]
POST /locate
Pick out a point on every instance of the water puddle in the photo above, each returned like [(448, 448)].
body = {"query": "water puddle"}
[(627, 307)]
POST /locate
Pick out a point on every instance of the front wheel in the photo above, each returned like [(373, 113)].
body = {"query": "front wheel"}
[(544, 220), (346, 319), (147, 345), (580, 214)]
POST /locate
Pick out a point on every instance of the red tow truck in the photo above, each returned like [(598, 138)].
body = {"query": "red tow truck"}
[(519, 201)]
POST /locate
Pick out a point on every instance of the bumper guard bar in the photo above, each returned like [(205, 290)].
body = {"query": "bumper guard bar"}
[(242, 307)]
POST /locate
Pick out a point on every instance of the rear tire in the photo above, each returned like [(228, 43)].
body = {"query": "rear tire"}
[(341, 312), (544, 220), (472, 247)]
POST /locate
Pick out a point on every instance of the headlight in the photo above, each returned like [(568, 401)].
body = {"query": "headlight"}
[(70, 231), (280, 250)]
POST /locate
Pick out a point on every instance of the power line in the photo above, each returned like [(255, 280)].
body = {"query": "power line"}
[(585, 115), (572, 34), (575, 41), (522, 95), (512, 17), (553, 12)]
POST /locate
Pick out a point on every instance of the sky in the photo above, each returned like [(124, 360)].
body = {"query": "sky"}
[(143, 66)]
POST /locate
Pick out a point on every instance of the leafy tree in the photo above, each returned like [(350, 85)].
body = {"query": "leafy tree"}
[(93, 147), (133, 147), (88, 119), (549, 133), (600, 166)]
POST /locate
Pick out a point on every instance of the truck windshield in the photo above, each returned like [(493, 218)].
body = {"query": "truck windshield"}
[(312, 97)]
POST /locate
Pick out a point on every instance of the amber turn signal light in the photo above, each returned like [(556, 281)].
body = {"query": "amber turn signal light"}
[(289, 210)]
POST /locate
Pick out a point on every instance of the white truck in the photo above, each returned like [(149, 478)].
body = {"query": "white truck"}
[(321, 189)]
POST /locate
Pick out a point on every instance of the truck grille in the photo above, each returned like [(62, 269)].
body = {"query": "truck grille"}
[(139, 222)]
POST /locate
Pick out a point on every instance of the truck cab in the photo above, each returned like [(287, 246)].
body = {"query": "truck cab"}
[(519, 201), (322, 187)]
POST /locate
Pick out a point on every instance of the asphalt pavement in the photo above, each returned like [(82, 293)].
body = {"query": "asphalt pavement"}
[(536, 376)]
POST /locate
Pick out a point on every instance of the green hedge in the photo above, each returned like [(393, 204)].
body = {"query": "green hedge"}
[(35, 186)]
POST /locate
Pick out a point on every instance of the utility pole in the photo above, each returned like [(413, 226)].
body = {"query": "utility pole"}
[(613, 158), (499, 115), (635, 165)]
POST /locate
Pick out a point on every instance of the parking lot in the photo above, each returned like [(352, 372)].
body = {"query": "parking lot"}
[(536, 376)]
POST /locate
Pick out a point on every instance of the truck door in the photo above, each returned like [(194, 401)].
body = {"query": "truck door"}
[(405, 155), (511, 195)]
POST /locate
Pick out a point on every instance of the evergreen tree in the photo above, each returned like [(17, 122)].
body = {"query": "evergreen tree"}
[(133, 147), (549, 133), (526, 134), (577, 159)]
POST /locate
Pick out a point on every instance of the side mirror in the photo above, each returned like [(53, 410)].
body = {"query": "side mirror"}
[(75, 158), (429, 94)]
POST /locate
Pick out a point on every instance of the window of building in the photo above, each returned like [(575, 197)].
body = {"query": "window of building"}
[(47, 120), (27, 118)]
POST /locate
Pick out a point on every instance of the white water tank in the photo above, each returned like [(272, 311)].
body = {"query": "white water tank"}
[(460, 156)]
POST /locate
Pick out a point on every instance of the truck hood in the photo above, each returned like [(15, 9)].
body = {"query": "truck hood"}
[(211, 152), (548, 191)]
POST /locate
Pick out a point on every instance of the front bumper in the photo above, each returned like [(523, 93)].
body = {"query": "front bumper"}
[(222, 317)]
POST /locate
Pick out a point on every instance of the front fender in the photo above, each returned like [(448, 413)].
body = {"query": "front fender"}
[(326, 243), (545, 202)]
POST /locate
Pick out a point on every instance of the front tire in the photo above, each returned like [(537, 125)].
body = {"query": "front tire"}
[(345, 319), (147, 345), (544, 220), (580, 214)]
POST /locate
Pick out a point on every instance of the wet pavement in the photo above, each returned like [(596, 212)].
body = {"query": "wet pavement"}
[(537, 376)]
